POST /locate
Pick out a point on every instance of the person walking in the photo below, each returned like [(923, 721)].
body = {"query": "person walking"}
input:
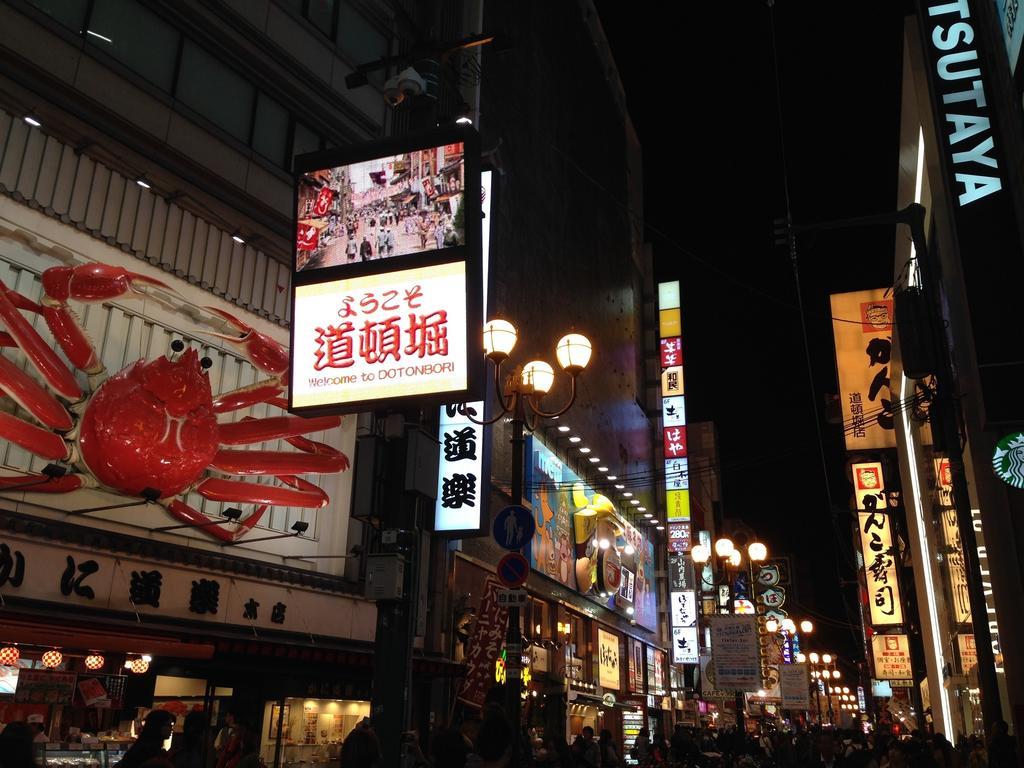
[(641, 749), (148, 749), (382, 243), (609, 754), (439, 233), (17, 746), (351, 247), (1002, 751), (390, 241), (361, 749), (187, 747)]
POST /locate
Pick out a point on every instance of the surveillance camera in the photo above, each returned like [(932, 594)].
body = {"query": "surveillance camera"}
[(410, 83), (393, 95)]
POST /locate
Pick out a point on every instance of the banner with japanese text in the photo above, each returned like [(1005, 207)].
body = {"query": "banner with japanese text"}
[(735, 653), (795, 686), (891, 655), (880, 570), (484, 646), (862, 324)]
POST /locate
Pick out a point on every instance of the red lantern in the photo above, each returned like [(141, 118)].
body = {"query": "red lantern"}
[(9, 656), (52, 659), (94, 661)]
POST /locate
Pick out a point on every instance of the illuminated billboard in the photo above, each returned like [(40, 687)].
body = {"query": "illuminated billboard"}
[(381, 208), (392, 319)]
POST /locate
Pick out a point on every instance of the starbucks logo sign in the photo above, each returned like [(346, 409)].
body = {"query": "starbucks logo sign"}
[(1008, 459)]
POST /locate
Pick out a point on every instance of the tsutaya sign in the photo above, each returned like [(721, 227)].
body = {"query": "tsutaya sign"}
[(971, 145)]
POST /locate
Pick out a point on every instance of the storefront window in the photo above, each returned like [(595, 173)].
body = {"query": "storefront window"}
[(308, 731)]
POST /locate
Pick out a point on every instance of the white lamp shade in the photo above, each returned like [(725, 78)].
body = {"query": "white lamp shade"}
[(573, 352), (758, 552), (499, 338), (789, 625), (723, 547), (806, 626), (539, 375), (835, 674), (814, 658), (736, 558), (772, 626), (826, 658), (700, 553)]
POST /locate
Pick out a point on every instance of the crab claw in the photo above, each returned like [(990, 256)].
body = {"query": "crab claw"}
[(261, 350)]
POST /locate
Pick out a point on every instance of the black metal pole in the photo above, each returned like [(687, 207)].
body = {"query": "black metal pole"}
[(513, 636)]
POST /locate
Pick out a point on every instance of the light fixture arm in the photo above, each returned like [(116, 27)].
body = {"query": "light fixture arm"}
[(531, 401), (506, 403)]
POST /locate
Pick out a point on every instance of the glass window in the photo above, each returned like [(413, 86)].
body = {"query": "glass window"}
[(359, 39), (137, 38), (215, 91), (70, 13), (321, 14), (270, 132), (306, 140)]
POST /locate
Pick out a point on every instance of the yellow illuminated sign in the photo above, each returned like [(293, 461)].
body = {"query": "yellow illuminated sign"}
[(678, 505), (669, 323)]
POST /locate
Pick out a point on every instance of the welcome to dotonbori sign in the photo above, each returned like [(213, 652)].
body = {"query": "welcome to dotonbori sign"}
[(387, 283)]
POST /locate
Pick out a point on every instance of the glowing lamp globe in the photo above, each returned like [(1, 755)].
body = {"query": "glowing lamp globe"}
[(789, 625), (772, 626), (499, 339), (573, 352), (826, 658), (806, 627), (835, 674), (539, 376), (723, 547), (94, 661), (139, 666), (52, 659), (700, 554), (801, 658), (736, 558), (9, 655), (814, 658), (758, 552)]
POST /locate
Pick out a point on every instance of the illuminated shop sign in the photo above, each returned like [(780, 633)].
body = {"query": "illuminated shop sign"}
[(608, 659), (880, 568), (891, 654), (387, 287), (868, 485)]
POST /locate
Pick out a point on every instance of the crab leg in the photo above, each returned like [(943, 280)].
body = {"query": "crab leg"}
[(250, 430), (44, 484), (260, 392), (219, 489), (278, 462), (261, 350), (26, 392), (41, 442), (39, 354), (91, 283), (194, 517)]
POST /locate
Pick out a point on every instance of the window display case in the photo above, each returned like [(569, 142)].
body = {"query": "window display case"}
[(101, 755)]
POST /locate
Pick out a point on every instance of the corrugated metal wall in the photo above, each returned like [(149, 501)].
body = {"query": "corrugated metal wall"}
[(50, 176), (123, 336)]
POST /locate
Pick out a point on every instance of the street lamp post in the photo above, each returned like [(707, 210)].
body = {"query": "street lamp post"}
[(519, 396), (729, 558)]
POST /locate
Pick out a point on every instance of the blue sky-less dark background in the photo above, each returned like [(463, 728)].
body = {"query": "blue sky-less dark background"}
[(701, 91)]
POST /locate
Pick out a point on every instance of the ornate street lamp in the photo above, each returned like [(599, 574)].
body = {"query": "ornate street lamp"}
[(519, 396)]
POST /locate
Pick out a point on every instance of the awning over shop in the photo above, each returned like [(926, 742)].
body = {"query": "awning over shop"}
[(85, 637)]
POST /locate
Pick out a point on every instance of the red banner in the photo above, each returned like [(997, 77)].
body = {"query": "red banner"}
[(484, 646), (307, 238), (324, 198)]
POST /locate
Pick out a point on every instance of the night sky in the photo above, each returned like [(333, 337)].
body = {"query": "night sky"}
[(700, 86)]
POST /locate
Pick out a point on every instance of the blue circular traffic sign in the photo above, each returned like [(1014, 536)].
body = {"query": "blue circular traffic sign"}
[(513, 570), (514, 527)]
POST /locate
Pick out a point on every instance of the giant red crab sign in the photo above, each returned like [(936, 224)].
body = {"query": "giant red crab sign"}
[(151, 430)]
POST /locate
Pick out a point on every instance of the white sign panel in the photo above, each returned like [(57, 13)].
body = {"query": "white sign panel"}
[(735, 652), (795, 686), (673, 411), (683, 608), (461, 461), (377, 337), (684, 645), (677, 474), (892, 657)]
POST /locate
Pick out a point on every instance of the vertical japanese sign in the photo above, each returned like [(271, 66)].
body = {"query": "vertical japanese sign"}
[(387, 287), (868, 485), (464, 449), (734, 647), (880, 568), (862, 328), (608, 659), (673, 404), (484, 646)]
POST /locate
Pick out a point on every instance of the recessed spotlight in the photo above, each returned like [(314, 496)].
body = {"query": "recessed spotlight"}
[(660, 527), (32, 121), (237, 237), (627, 494), (634, 502), (648, 515), (594, 460), (620, 486), (563, 428), (629, 610), (584, 450), (613, 477), (467, 120), (602, 469), (641, 509), (575, 439), (655, 522), (143, 182)]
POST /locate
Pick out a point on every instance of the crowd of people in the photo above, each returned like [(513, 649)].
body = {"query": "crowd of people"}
[(489, 743)]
